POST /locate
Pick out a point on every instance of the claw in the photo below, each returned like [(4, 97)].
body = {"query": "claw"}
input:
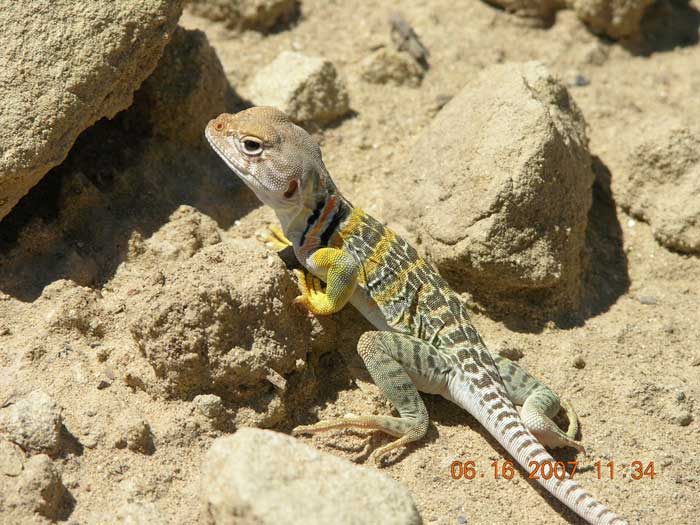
[(302, 429), (302, 300), (274, 238), (312, 292), (376, 457)]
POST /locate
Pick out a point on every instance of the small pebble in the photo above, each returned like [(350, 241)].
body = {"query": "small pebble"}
[(581, 81), (90, 440), (684, 419), (680, 396), (441, 100), (647, 299), (135, 435), (579, 362), (209, 405), (102, 353), (511, 352)]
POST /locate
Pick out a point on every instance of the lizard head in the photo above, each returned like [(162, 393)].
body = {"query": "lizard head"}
[(275, 158)]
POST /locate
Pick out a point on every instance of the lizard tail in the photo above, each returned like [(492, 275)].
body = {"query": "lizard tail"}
[(494, 410)]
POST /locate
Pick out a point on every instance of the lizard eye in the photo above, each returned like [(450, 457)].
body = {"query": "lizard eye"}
[(251, 146)]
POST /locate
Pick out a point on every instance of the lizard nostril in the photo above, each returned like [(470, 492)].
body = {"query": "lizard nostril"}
[(218, 126)]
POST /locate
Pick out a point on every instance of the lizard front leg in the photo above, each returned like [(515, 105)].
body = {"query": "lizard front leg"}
[(393, 360), (275, 238), (341, 279)]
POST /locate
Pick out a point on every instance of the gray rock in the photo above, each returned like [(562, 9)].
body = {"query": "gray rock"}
[(59, 75), (503, 178), (538, 11), (647, 299), (40, 488), (245, 14), (579, 362), (209, 405), (510, 352), (135, 434), (263, 477), (386, 66), (681, 417), (661, 182), (34, 423), (614, 18), (11, 458), (308, 89)]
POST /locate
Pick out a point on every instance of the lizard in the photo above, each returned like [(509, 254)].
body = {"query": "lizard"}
[(424, 338)]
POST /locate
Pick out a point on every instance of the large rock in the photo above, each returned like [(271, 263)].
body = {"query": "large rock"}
[(38, 489), (263, 477), (307, 88), (661, 182), (261, 15), (186, 90), (122, 176), (536, 10), (221, 322), (614, 18), (34, 423), (498, 189), (65, 65), (387, 66)]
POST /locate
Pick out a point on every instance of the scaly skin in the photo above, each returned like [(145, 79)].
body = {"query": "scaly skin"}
[(424, 340)]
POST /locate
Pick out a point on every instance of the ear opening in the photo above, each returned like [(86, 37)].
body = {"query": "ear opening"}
[(292, 189)]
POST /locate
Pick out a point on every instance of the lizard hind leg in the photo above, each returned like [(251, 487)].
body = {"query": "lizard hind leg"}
[(393, 360), (536, 415), (539, 405)]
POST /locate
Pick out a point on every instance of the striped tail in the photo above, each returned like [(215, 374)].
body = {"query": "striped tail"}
[(492, 408)]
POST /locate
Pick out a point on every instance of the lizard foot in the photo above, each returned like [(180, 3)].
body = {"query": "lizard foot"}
[(313, 298), (394, 426), (274, 238)]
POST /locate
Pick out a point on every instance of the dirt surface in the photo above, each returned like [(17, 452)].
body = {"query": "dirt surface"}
[(89, 260)]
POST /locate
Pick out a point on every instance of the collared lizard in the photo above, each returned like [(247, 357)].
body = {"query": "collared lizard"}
[(424, 339)]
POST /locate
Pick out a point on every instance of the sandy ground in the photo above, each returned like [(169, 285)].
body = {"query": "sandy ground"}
[(638, 375)]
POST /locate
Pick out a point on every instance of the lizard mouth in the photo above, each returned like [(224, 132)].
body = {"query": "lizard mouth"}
[(231, 163)]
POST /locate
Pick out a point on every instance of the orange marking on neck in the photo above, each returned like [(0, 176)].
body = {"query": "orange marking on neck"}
[(313, 234)]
